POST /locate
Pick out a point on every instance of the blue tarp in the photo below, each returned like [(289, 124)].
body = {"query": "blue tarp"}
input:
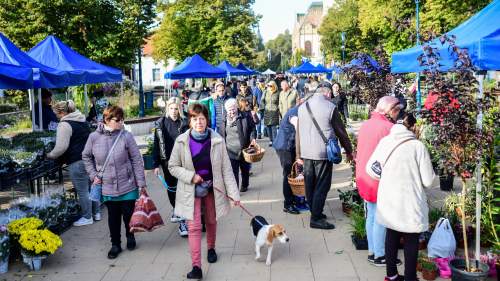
[(43, 76), (246, 68), (306, 67), (360, 64), (480, 34), (322, 69), (336, 69), (15, 77), (195, 67), (231, 70), (54, 53)]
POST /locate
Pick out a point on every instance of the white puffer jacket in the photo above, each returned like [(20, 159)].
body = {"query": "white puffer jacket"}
[(402, 202)]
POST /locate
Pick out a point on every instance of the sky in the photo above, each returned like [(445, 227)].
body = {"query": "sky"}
[(278, 15)]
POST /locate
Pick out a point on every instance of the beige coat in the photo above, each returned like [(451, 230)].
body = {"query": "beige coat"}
[(287, 100), (181, 166)]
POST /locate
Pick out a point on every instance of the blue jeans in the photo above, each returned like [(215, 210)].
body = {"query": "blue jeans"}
[(259, 128), (375, 232), (81, 183), (272, 132)]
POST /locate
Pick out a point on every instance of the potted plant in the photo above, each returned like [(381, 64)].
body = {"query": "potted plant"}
[(421, 259), (15, 228), (36, 245), (346, 198), (452, 113), (4, 249), (148, 156), (358, 232), (429, 269)]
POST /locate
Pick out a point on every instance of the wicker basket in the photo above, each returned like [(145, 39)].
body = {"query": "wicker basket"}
[(254, 157), (297, 185)]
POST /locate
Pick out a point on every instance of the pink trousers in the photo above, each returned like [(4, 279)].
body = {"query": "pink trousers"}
[(194, 227)]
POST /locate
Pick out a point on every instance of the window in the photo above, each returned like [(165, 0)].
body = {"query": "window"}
[(156, 74), (308, 48)]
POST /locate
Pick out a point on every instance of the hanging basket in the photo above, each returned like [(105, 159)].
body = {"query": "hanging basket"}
[(296, 181), (253, 154)]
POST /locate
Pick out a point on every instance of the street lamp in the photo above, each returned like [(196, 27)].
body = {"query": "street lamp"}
[(342, 36), (418, 94)]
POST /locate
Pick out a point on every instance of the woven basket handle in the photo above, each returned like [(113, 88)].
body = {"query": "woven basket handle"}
[(294, 172), (257, 146)]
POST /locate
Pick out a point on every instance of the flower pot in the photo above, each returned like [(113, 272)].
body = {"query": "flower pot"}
[(346, 208), (148, 162), (429, 274), (419, 267), (422, 244), (446, 182), (4, 265), (360, 243), (458, 272), (33, 262)]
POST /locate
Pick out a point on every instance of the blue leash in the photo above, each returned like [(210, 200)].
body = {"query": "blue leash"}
[(166, 185)]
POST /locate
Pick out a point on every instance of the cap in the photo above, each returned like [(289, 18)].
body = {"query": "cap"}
[(325, 84)]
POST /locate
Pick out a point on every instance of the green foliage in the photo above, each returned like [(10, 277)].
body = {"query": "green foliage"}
[(20, 125), (296, 58), (281, 51), (358, 112), (17, 97), (109, 32), (434, 215), (358, 220), (428, 265), (216, 30)]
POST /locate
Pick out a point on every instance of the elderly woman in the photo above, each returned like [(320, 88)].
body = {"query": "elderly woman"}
[(120, 178), (269, 106), (200, 161), (239, 133), (72, 134), (167, 129)]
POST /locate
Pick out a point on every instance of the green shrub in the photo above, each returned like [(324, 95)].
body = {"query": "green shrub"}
[(358, 221)]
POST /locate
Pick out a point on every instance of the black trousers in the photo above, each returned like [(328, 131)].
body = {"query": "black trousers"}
[(171, 182), (286, 159), (238, 165), (392, 238), (117, 210), (317, 179)]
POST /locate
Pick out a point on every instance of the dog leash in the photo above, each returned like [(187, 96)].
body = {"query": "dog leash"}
[(165, 184)]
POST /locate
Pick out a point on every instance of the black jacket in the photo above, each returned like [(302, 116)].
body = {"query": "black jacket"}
[(169, 130), (341, 102), (246, 128)]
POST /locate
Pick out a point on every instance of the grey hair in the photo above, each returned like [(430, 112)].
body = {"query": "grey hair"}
[(324, 90), (64, 107), (230, 103)]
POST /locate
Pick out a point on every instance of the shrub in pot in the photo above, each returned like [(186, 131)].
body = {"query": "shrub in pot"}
[(429, 270), (358, 231), (459, 272), (148, 156)]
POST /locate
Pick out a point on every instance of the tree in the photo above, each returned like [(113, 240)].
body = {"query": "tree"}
[(109, 32), (342, 18), (296, 58), (217, 30), (281, 51)]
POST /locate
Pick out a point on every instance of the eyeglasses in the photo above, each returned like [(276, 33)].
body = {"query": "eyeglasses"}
[(117, 120)]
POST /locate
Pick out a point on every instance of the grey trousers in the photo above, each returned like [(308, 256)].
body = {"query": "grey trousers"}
[(81, 182)]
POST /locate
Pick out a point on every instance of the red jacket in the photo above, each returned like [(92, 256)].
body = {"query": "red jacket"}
[(370, 133)]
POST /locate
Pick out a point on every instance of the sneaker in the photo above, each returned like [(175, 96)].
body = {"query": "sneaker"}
[(380, 261), (321, 224), (270, 143), (195, 273), (131, 243), (211, 256), (83, 221), (174, 218), (97, 217), (244, 189), (371, 258), (397, 278), (291, 210), (183, 229), (114, 251)]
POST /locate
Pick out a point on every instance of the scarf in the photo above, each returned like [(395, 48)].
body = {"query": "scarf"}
[(199, 136)]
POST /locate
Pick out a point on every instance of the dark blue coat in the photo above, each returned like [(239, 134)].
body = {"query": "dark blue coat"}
[(285, 140)]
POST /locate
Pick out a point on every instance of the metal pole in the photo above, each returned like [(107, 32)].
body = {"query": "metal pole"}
[(141, 91), (32, 108), (418, 94), (343, 46), (85, 99), (40, 115), (479, 178)]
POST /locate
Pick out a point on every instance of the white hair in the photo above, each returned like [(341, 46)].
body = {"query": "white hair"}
[(230, 103)]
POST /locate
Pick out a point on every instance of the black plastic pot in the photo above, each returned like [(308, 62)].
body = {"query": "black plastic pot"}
[(148, 162), (360, 243), (458, 272), (446, 182)]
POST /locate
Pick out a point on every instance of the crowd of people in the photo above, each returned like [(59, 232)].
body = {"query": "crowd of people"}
[(198, 147)]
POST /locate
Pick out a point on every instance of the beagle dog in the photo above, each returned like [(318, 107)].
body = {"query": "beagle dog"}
[(265, 233)]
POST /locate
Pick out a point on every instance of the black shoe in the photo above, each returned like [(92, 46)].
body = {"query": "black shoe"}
[(321, 224), (114, 251), (270, 143), (380, 261), (322, 216), (195, 273), (131, 243), (398, 278), (244, 189), (211, 256), (291, 210), (371, 258), (259, 137)]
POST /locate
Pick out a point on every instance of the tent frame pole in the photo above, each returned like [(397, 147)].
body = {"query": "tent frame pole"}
[(479, 179), (32, 108), (86, 100), (40, 115)]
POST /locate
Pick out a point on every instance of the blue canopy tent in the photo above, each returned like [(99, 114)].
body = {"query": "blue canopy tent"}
[(359, 63), (195, 67), (231, 70), (306, 67), (247, 69), (15, 77), (480, 34), (322, 69), (54, 53)]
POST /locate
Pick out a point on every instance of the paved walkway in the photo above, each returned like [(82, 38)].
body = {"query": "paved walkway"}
[(163, 255)]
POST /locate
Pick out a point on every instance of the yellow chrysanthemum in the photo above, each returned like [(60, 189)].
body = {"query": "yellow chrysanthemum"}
[(38, 242), (18, 226)]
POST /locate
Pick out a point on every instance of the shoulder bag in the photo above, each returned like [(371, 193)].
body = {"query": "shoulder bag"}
[(376, 166)]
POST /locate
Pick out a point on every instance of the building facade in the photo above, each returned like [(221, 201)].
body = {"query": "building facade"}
[(305, 32), (152, 72)]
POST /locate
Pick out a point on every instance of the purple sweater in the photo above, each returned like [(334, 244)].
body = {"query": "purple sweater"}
[(200, 153)]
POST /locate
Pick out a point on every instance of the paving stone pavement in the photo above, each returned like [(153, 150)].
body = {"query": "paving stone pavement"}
[(163, 255)]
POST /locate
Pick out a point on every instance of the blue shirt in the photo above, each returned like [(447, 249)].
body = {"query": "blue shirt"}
[(257, 92)]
